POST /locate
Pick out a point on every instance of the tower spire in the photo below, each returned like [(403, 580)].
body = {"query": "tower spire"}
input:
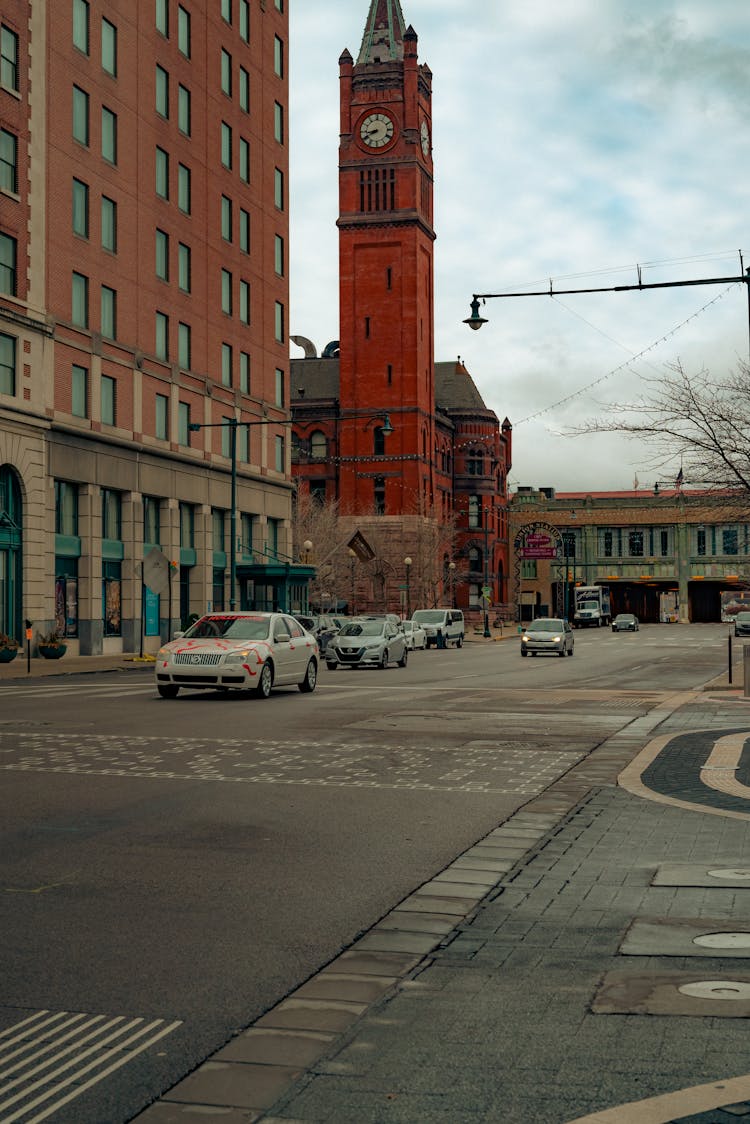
[(383, 40)]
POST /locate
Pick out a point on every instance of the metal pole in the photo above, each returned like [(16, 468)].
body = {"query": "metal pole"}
[(233, 518), (408, 594), (487, 632), (729, 641)]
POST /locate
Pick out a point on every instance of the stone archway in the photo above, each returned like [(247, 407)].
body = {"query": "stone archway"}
[(536, 541)]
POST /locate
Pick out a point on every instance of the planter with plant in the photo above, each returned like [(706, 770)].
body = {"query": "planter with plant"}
[(52, 646), (9, 647)]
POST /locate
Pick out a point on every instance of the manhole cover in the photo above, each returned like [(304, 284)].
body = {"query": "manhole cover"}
[(737, 872), (723, 940), (716, 989)]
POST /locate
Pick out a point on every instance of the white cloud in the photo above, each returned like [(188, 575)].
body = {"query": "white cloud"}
[(570, 140)]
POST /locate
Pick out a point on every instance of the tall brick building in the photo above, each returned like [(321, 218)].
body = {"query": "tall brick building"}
[(143, 291), (433, 489)]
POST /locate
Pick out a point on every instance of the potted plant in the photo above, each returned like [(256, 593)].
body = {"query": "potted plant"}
[(52, 646), (8, 647)]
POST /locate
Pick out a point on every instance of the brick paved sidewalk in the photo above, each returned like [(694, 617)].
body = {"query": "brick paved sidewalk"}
[(498, 1024)]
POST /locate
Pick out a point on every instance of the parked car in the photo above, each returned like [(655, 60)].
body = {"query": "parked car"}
[(367, 642), (442, 626), (322, 626), (415, 635), (626, 622), (742, 624), (549, 634), (239, 651)]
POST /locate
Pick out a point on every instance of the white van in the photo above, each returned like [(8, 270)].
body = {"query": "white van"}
[(442, 626)]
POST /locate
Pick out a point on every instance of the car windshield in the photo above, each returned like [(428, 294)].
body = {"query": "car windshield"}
[(429, 616), (363, 628), (229, 628), (743, 617), (624, 617), (546, 626)]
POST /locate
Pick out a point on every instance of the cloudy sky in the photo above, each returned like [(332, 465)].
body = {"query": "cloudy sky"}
[(572, 141)]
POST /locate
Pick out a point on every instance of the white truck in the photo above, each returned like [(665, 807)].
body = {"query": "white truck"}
[(592, 606)]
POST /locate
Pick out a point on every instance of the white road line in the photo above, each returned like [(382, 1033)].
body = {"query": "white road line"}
[(124, 1049)]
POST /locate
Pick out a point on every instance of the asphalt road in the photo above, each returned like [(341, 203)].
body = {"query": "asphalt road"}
[(189, 862)]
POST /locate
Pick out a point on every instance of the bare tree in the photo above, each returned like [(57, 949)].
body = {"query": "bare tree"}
[(700, 420)]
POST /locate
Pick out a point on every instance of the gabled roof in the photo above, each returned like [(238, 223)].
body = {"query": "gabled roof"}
[(383, 40), (455, 389)]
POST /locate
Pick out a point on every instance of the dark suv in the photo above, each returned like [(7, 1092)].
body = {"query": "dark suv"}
[(322, 625)]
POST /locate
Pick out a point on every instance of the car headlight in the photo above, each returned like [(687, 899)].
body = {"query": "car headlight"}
[(555, 639), (163, 654), (524, 639), (236, 657)]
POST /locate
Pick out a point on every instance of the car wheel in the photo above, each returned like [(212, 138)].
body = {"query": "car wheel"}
[(562, 652), (331, 666), (311, 678), (384, 660), (524, 652), (265, 681), (570, 650), (167, 690), (403, 661), (460, 642)]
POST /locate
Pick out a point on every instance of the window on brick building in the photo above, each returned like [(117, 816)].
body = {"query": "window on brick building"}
[(244, 372), (245, 302), (244, 168), (184, 268), (278, 189), (80, 300), (279, 322), (184, 346), (79, 391), (227, 363), (162, 16), (279, 387), (108, 313), (8, 161), (81, 25), (109, 48), (279, 445), (226, 145), (161, 343), (184, 112), (226, 218), (109, 408), (226, 438), (80, 208), (109, 135), (109, 224), (278, 56), (226, 73), (8, 59), (278, 122), (162, 91), (161, 417), (244, 20), (7, 364), (162, 255), (226, 10), (278, 255), (184, 201), (635, 544), (183, 427), (318, 445), (244, 231), (151, 520), (183, 32), (244, 90), (226, 292), (80, 116), (162, 173)]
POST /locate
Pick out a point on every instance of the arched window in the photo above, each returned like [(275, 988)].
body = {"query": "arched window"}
[(475, 559), (318, 445), (475, 462)]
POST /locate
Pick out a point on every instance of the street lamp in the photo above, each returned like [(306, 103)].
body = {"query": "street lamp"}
[(352, 560), (452, 583), (407, 567), (233, 424)]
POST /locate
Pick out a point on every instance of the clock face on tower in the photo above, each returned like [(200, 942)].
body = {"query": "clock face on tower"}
[(376, 130), (425, 138)]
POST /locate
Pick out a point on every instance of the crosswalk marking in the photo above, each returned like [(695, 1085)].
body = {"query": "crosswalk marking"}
[(51, 1051)]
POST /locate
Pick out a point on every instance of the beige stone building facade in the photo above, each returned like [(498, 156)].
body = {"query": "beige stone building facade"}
[(667, 554)]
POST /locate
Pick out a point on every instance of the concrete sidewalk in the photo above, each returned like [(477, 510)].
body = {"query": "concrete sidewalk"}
[(21, 668), (549, 974)]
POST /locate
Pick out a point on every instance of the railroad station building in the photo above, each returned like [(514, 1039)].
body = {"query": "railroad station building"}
[(668, 554)]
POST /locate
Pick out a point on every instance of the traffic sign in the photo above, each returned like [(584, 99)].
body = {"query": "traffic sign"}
[(156, 571)]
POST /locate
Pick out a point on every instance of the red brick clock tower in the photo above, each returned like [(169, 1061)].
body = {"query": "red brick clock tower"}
[(386, 272)]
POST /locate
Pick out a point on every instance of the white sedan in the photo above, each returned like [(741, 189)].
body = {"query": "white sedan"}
[(239, 651), (414, 634)]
